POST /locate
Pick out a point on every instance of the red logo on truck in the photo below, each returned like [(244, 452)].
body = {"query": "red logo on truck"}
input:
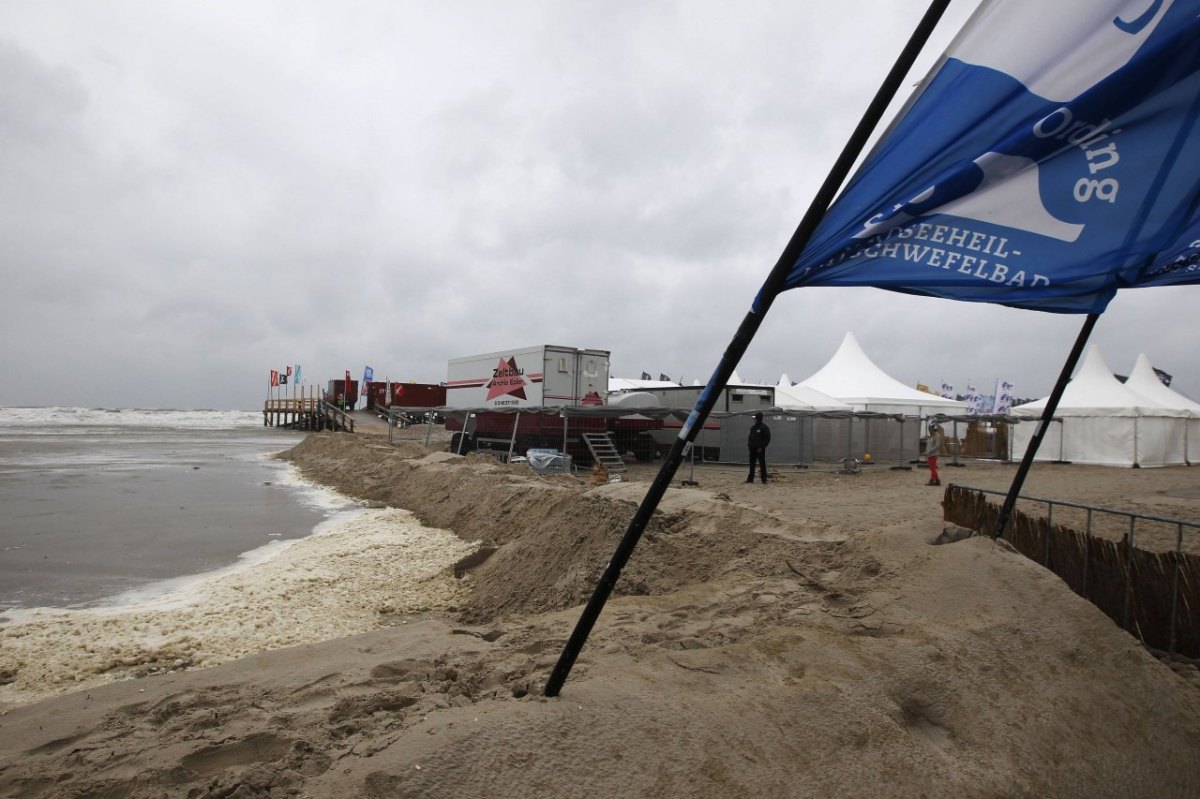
[(507, 379)]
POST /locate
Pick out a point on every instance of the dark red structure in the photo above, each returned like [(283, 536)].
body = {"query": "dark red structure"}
[(338, 394), (405, 395), (418, 395)]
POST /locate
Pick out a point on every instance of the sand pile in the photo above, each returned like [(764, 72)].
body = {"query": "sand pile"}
[(747, 652)]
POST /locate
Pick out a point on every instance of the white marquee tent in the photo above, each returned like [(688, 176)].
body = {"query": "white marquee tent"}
[(802, 397), (1144, 381), (853, 378), (1106, 422)]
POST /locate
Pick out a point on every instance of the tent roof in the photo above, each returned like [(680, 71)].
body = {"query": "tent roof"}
[(1094, 391), (850, 376), (1144, 381), (789, 396), (629, 384)]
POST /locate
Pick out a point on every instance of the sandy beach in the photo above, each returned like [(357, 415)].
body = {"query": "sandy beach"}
[(799, 639)]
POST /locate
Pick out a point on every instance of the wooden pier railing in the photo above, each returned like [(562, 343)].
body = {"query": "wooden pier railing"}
[(306, 413)]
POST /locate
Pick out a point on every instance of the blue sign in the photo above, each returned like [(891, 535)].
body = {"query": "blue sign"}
[(1049, 158)]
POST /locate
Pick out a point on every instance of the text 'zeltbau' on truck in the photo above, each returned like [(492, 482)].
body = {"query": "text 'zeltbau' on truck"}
[(544, 376)]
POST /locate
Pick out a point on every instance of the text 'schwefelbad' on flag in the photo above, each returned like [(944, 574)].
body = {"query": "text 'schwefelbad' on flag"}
[(1048, 160)]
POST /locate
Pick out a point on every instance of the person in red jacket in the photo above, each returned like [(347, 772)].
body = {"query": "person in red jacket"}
[(933, 448)]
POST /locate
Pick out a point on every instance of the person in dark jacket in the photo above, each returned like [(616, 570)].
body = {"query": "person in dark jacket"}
[(757, 441)]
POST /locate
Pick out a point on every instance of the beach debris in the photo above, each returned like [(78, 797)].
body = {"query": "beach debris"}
[(599, 474)]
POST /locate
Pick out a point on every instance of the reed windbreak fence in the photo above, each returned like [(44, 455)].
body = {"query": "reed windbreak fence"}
[(1152, 595)]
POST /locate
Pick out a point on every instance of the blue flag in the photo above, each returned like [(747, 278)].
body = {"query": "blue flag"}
[(1049, 158), (1177, 264)]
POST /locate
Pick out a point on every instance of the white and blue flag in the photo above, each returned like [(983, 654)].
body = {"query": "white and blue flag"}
[(1049, 159), (1179, 263), (1004, 397)]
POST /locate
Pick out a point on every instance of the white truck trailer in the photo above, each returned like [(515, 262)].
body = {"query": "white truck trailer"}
[(544, 375)]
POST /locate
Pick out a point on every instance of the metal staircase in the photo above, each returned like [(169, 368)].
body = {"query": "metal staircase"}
[(603, 451)]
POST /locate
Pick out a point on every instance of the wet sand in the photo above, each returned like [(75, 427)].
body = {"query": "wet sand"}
[(799, 639)]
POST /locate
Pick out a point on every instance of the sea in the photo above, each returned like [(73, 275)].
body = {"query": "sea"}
[(101, 502), (138, 542)]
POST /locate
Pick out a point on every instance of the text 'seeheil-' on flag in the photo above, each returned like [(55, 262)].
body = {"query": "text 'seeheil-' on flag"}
[(1050, 158)]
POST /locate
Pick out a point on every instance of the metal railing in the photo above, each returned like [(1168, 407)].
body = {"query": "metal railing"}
[(1133, 516), (401, 417), (1126, 544)]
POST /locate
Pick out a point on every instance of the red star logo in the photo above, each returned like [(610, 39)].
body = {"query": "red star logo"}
[(506, 380)]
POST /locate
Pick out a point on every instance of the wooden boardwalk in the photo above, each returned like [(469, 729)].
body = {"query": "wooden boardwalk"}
[(306, 413)]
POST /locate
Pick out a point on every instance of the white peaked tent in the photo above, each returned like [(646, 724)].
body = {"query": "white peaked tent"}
[(1144, 381), (1105, 422), (804, 398), (853, 378)]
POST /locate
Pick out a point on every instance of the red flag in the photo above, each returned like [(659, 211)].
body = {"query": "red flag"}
[(274, 378)]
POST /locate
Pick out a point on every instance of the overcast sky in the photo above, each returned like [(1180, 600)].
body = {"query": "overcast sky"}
[(195, 193)]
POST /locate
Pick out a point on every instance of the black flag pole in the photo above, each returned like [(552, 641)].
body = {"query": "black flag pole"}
[(1035, 442), (741, 340)]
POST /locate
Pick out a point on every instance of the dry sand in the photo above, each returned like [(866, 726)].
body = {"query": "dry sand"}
[(798, 639)]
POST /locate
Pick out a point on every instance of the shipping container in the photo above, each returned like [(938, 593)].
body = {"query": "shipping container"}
[(338, 395), (405, 395), (418, 395), (710, 441)]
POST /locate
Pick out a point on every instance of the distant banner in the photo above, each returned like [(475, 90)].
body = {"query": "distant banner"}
[(297, 373), (274, 378), (1048, 158), (1004, 397), (368, 374), (947, 391), (977, 403)]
